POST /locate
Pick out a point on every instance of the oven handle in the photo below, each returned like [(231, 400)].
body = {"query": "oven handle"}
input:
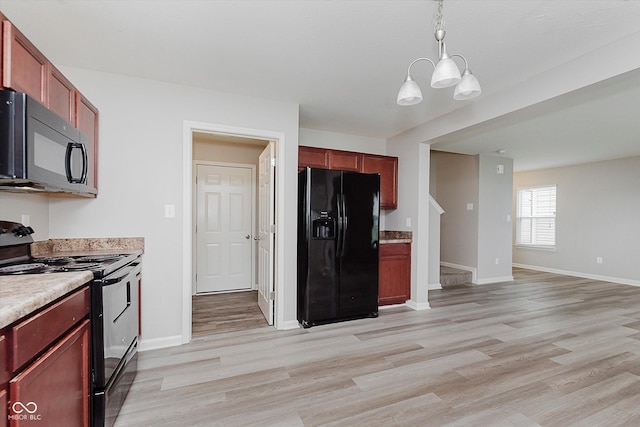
[(113, 280), (128, 302)]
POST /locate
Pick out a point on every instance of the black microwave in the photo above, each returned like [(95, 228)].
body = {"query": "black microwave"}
[(39, 150)]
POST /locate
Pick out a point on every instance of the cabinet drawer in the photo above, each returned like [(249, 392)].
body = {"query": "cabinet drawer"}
[(390, 249), (36, 333)]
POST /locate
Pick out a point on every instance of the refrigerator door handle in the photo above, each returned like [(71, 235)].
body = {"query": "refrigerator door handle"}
[(339, 219), (345, 224)]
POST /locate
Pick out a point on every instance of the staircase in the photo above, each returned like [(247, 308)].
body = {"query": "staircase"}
[(452, 276)]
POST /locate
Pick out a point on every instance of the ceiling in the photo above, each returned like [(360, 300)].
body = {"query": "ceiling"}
[(343, 61)]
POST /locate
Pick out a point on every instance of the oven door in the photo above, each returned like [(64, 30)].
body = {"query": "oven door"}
[(115, 311)]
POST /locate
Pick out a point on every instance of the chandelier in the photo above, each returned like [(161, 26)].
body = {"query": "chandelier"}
[(446, 73)]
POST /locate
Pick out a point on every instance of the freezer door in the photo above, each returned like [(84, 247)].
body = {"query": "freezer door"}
[(319, 228), (358, 249)]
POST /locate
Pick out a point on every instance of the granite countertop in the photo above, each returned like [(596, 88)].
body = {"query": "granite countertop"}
[(21, 295), (389, 236)]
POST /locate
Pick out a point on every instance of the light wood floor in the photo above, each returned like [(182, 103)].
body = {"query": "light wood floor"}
[(547, 350), (217, 313)]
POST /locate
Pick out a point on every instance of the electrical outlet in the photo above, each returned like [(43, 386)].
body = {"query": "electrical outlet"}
[(169, 211), (25, 220), (598, 260), (469, 206), (497, 261)]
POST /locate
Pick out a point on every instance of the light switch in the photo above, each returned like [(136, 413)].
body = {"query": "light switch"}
[(469, 206), (407, 222), (169, 211), (500, 169)]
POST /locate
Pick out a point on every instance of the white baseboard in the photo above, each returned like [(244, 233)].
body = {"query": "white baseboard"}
[(434, 286), (579, 274), (417, 305), (289, 324), (157, 343), (493, 280)]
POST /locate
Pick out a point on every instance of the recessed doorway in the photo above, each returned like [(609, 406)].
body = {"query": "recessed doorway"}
[(221, 156)]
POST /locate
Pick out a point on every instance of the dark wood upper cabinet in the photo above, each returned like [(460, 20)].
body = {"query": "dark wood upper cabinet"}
[(313, 157), (388, 168), (345, 160), (24, 68), (61, 95), (87, 119)]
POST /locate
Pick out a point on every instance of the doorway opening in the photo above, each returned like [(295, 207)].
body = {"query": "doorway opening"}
[(226, 240)]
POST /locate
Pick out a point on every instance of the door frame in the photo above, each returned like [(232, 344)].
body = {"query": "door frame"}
[(254, 209), (189, 127)]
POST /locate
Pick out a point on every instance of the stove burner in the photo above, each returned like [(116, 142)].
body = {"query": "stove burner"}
[(98, 258), (56, 260), (34, 267), (80, 266)]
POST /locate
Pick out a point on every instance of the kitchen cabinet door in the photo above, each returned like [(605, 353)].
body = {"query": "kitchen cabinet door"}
[(313, 157), (58, 383), (24, 68), (87, 118), (345, 161), (388, 168), (394, 283), (61, 95), (4, 377)]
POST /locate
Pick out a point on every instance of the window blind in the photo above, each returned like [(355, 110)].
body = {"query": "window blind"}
[(536, 216)]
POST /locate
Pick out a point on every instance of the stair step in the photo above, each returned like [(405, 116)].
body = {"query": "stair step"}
[(452, 276)]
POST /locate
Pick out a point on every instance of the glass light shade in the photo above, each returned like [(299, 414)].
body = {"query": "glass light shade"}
[(468, 88), (446, 74), (410, 93)]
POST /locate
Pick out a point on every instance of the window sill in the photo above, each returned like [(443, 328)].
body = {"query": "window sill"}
[(536, 247)]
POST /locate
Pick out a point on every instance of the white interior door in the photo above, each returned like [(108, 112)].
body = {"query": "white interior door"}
[(223, 228), (266, 224)]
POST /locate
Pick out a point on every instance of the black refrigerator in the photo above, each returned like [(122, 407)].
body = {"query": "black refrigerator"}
[(338, 214)]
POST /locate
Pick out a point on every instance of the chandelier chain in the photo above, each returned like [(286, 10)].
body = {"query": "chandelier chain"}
[(439, 21)]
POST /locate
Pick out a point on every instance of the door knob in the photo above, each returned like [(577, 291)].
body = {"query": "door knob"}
[(247, 236)]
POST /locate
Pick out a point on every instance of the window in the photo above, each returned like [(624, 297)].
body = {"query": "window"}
[(536, 216)]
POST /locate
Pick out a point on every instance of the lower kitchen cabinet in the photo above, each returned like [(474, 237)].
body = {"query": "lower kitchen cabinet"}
[(4, 377), (49, 362), (394, 282)]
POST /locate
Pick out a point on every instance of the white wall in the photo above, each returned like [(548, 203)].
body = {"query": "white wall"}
[(413, 204), (597, 216), (494, 228), (477, 200), (14, 205), (141, 170), (456, 184), (341, 141)]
